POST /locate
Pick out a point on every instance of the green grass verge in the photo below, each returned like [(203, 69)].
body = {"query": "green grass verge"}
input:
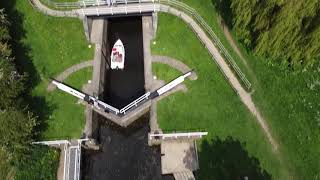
[(67, 116), (51, 45), (210, 102), (55, 43), (289, 101)]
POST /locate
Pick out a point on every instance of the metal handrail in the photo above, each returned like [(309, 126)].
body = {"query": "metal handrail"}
[(176, 135), (56, 142), (86, 3), (115, 110), (135, 102)]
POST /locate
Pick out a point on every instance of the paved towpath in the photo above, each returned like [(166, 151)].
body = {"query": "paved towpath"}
[(203, 37), (65, 74)]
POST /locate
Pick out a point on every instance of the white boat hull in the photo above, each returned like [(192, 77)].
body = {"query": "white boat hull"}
[(117, 55)]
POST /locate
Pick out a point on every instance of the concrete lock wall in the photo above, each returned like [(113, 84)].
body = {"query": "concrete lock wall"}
[(102, 59), (105, 59), (97, 30), (99, 34), (87, 26), (147, 29)]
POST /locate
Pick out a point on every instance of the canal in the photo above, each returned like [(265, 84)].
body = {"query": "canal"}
[(124, 86), (124, 152)]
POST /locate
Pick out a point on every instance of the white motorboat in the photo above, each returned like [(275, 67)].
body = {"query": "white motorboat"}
[(117, 55)]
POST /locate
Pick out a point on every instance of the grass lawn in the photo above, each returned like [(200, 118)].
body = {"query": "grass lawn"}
[(289, 101), (67, 117), (210, 104), (46, 46)]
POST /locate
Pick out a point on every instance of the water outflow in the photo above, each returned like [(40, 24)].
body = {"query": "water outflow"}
[(124, 86), (124, 154)]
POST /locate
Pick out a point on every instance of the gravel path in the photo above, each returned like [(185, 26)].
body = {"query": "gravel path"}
[(44, 9), (175, 64), (65, 74)]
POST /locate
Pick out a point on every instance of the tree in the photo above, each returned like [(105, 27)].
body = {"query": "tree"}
[(11, 83), (5, 167), (224, 9), (17, 123), (41, 163), (15, 130), (286, 31)]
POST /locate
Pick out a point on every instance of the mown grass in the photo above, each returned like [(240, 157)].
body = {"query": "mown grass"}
[(55, 43), (289, 101), (51, 45), (67, 117), (210, 103)]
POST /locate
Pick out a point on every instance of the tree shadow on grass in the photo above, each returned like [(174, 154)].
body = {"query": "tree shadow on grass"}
[(229, 160), (20, 50), (23, 60), (223, 7), (43, 112)]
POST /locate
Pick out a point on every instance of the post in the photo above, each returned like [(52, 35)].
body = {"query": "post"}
[(65, 159), (97, 10), (86, 26)]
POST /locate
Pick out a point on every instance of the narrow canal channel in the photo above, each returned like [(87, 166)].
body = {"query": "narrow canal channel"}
[(124, 86), (124, 152)]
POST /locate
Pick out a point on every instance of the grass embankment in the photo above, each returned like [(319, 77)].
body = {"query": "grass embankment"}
[(51, 45), (209, 104), (289, 101)]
